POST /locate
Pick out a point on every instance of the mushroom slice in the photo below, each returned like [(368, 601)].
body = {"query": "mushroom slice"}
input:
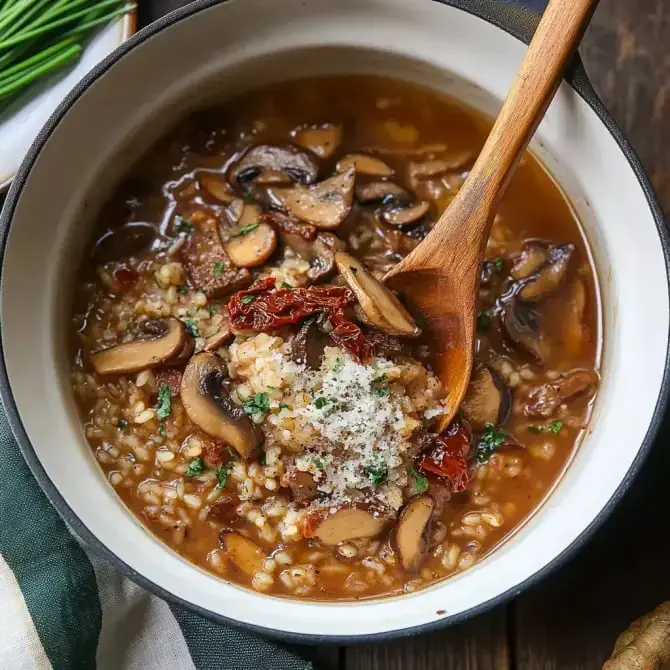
[(385, 191), (487, 400), (325, 205), (550, 276), (302, 485), (533, 257), (267, 163), (544, 400), (429, 168), (320, 253), (162, 340), (220, 337), (411, 532), (348, 523), (322, 140), (364, 164), (216, 186), (308, 344), (208, 405), (184, 354), (403, 216), (128, 240), (381, 307), (251, 245), (521, 327), (242, 552)]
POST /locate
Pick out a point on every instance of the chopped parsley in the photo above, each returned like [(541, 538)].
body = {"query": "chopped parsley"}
[(339, 364), (195, 467), (162, 429), (488, 443), (318, 463), (219, 267), (183, 290), (123, 424), (420, 482), (554, 427), (211, 309), (499, 264), (183, 226), (222, 473), (380, 386), (321, 402), (257, 404), (283, 405), (247, 299), (260, 454), (164, 402), (286, 285), (245, 230), (483, 322), (378, 474), (191, 327)]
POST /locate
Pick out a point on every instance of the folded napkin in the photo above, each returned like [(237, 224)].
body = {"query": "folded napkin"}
[(63, 608)]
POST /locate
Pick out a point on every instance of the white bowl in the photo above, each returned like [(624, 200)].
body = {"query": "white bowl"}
[(228, 47)]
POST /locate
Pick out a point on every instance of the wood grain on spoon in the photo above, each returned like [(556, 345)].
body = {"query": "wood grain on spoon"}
[(440, 278)]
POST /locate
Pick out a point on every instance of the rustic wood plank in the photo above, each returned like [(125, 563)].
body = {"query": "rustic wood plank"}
[(572, 619), (480, 644)]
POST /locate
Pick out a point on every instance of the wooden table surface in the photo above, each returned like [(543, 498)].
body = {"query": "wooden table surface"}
[(572, 618)]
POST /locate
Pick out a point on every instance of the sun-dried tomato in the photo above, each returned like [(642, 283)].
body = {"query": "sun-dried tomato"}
[(262, 307), (445, 457)]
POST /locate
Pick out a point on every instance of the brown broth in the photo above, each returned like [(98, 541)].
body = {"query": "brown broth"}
[(395, 120)]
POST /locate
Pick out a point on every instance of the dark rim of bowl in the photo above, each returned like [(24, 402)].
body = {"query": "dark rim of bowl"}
[(520, 23)]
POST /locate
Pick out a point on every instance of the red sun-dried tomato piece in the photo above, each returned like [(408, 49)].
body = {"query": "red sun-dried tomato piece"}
[(445, 457)]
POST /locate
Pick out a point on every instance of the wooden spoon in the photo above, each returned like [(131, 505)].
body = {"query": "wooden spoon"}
[(440, 278)]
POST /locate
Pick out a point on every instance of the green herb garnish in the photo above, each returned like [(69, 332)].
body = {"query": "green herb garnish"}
[(380, 386), (162, 429), (195, 467), (554, 427), (247, 299), (164, 402), (231, 453), (257, 404), (245, 230), (378, 474), (318, 463), (339, 364), (283, 405), (191, 327), (499, 264), (321, 402), (183, 290), (219, 267), (247, 197), (123, 424), (222, 473), (483, 322), (183, 226), (286, 285), (420, 482), (488, 443)]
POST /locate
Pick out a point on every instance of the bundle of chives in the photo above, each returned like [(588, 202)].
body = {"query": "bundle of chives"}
[(39, 36)]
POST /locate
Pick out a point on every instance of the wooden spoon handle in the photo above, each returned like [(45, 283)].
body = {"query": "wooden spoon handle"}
[(465, 225)]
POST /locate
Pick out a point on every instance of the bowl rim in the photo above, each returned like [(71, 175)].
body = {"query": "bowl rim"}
[(519, 23)]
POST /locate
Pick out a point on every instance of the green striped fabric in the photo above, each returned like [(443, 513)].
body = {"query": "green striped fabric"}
[(61, 607)]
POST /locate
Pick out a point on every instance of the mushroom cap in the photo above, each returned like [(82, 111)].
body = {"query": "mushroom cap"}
[(251, 245), (365, 165), (208, 405), (269, 162), (165, 339), (411, 532), (487, 400), (348, 523)]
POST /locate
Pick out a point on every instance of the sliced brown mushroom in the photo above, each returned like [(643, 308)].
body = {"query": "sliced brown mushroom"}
[(242, 552), (302, 485), (322, 140), (181, 358), (521, 326), (290, 225), (160, 341), (533, 257), (549, 277), (208, 404), (487, 400), (251, 245), (223, 335), (266, 163), (544, 400), (364, 164), (128, 240), (308, 345), (429, 168), (381, 307), (385, 192), (349, 523), (412, 530), (404, 216), (248, 215), (216, 185), (320, 253), (325, 205)]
